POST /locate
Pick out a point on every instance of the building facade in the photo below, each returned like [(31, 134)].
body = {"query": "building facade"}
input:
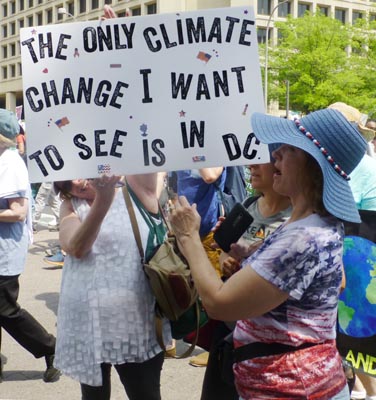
[(17, 14)]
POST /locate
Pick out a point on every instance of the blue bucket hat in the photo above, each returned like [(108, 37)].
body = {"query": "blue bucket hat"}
[(9, 126), (332, 141)]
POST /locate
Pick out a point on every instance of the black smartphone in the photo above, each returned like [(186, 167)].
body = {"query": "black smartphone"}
[(233, 227)]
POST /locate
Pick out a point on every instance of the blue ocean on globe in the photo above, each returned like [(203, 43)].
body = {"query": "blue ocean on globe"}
[(357, 303)]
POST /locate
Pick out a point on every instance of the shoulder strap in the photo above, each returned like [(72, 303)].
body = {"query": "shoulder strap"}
[(159, 333), (249, 200), (133, 219)]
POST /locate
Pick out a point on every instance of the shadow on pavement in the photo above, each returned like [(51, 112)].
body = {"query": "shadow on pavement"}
[(14, 376), (51, 300), (40, 246)]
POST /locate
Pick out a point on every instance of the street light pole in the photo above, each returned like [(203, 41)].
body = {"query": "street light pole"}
[(287, 98), (266, 54), (62, 10)]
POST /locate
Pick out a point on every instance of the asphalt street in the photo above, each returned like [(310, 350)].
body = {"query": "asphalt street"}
[(39, 294)]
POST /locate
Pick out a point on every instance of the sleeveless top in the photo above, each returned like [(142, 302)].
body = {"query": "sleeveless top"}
[(106, 307)]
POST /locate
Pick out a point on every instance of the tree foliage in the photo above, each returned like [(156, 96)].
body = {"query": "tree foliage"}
[(324, 62)]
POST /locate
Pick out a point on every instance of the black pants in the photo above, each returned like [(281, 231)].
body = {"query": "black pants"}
[(213, 387), (141, 381), (21, 325)]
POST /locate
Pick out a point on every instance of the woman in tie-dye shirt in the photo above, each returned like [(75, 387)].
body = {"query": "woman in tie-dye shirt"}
[(286, 293)]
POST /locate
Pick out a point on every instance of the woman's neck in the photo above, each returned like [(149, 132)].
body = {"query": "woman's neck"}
[(301, 208), (272, 203)]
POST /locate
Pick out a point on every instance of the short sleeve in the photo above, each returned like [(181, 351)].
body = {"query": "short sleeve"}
[(289, 259)]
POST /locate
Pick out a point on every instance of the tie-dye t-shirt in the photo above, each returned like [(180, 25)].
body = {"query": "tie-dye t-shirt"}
[(303, 258)]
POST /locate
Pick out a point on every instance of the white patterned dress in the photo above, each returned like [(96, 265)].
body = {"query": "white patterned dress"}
[(106, 307)]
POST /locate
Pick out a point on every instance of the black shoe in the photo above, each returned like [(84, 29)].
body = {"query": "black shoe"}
[(51, 374)]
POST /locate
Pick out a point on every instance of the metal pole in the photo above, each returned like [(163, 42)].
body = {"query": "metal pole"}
[(266, 54), (287, 98)]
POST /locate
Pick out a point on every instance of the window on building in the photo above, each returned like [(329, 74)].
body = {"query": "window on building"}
[(13, 49), (5, 10), (136, 11), (108, 2), (13, 7), (4, 28), (284, 9), (70, 8), (31, 3), (40, 1), (340, 15), (30, 20), (356, 15), (122, 14), (264, 7), (21, 23), (22, 4), (372, 17), (82, 6), (4, 51), (261, 35), (151, 8), (4, 72), (94, 4), (323, 10), (12, 70), (49, 16), (13, 28), (40, 19), (302, 8), (19, 65)]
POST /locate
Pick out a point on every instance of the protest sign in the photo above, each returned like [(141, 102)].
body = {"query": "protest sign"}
[(142, 94)]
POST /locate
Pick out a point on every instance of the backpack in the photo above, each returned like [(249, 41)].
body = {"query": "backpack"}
[(172, 285)]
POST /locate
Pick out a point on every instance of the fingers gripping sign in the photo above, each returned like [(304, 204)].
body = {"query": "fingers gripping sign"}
[(108, 12)]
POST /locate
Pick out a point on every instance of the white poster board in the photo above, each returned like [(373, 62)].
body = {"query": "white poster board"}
[(142, 94)]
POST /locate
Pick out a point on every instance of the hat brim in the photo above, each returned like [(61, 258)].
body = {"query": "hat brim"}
[(337, 195), (367, 133)]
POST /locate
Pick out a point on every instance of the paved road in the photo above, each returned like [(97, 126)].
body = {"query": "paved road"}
[(39, 294)]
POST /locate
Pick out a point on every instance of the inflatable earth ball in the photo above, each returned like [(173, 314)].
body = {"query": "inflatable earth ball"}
[(357, 305)]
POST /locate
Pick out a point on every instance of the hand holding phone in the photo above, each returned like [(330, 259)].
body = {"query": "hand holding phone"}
[(233, 227)]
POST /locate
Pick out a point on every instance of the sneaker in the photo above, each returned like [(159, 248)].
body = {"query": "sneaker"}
[(200, 360), (51, 374), (53, 249), (57, 259), (53, 227), (358, 395)]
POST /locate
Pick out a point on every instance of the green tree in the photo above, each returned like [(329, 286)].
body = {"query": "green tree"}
[(324, 62)]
